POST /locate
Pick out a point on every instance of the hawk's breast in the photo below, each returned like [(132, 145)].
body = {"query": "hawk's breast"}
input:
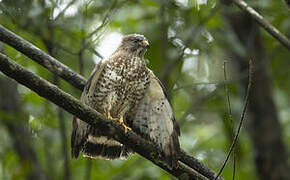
[(121, 85)]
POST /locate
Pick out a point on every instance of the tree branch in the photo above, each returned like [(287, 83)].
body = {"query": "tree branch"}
[(187, 42), (263, 23), (242, 118), (64, 10), (79, 82), (42, 58), (229, 107)]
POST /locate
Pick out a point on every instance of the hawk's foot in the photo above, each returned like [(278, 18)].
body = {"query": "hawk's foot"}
[(127, 128), (124, 125), (121, 121)]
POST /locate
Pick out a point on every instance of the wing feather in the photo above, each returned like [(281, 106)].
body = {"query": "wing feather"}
[(155, 120), (81, 129)]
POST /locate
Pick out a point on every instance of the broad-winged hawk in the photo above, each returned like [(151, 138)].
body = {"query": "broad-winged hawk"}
[(125, 90)]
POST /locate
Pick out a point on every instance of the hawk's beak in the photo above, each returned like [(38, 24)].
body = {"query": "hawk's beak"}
[(145, 43)]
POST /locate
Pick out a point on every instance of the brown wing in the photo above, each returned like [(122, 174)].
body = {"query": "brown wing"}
[(88, 139), (81, 129), (155, 120)]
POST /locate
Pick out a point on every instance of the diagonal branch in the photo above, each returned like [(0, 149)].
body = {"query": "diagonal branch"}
[(230, 115), (64, 10), (42, 58), (263, 23), (92, 117), (79, 82), (242, 118)]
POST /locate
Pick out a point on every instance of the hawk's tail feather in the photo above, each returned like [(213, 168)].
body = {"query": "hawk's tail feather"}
[(75, 150), (172, 152), (77, 139), (105, 151)]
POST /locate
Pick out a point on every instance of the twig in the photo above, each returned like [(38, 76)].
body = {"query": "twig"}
[(230, 115), (187, 42), (63, 11), (92, 117), (241, 119), (263, 23), (105, 21)]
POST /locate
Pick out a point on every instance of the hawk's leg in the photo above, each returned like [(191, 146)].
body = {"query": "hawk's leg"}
[(124, 125), (108, 115)]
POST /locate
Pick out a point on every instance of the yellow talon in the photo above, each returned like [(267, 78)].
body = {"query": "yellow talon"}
[(124, 125), (109, 116), (121, 121)]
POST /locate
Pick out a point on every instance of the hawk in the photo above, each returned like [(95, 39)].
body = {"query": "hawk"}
[(126, 91)]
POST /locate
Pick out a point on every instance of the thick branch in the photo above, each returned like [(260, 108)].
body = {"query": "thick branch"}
[(197, 165), (42, 58), (263, 23), (92, 117), (79, 83)]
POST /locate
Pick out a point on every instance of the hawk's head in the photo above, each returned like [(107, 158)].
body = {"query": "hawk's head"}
[(134, 43)]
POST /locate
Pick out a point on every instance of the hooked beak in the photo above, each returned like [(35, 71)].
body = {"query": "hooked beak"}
[(145, 43)]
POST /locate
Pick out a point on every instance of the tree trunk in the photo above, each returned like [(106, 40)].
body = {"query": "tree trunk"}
[(264, 126)]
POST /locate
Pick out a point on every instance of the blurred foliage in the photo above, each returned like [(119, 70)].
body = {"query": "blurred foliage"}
[(189, 41)]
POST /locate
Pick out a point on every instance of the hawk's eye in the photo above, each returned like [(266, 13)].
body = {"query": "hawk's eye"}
[(137, 39)]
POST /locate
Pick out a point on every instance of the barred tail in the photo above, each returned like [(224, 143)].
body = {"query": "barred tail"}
[(104, 148)]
